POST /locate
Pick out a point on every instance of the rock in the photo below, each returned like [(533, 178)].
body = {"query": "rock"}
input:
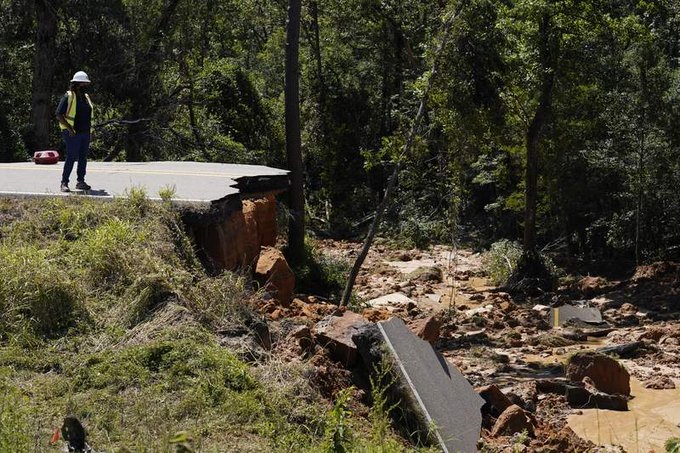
[(628, 309), (426, 274), (391, 300), (608, 375), (427, 328), (592, 286), (507, 306), (514, 420), (496, 401), (653, 333), (659, 383), (377, 314), (303, 336), (524, 395), (335, 334), (272, 272)]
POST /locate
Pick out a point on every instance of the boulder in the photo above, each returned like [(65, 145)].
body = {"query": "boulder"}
[(335, 334), (426, 328), (273, 273), (607, 374), (495, 401), (426, 274), (514, 420)]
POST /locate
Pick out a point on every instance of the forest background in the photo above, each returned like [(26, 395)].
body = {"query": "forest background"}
[(592, 88)]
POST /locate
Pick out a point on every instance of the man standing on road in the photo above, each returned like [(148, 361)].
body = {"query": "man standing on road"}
[(74, 114)]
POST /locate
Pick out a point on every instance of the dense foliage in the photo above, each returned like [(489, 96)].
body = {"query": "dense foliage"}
[(599, 79)]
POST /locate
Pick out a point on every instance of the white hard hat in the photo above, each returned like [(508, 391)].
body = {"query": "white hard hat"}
[(81, 77)]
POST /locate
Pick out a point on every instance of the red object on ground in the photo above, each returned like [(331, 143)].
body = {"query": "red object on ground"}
[(46, 157), (55, 436)]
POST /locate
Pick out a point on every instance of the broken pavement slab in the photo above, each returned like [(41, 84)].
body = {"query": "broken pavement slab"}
[(443, 404), (560, 315)]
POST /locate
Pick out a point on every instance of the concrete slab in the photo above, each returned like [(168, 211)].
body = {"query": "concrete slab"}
[(447, 405), (194, 182), (560, 315)]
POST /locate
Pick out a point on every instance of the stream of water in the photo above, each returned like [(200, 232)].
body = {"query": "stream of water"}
[(652, 418)]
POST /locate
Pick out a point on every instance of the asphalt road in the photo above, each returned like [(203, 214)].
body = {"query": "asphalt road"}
[(195, 182)]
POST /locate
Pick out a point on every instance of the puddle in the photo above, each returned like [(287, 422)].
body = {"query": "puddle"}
[(481, 284), (651, 420)]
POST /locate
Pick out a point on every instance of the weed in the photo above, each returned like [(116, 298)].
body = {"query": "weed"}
[(338, 437), (379, 416), (672, 445), (137, 199), (167, 193)]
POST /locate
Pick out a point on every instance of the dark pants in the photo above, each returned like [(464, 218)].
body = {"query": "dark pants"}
[(77, 147)]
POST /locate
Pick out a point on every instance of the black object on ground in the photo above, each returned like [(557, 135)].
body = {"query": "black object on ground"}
[(560, 315), (580, 397), (622, 350)]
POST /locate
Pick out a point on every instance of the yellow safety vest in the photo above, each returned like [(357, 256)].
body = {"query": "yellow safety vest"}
[(70, 115)]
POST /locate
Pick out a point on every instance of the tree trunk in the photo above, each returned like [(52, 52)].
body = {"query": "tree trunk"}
[(296, 225), (38, 136), (533, 138)]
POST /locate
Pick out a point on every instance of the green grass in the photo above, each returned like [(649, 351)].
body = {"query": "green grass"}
[(106, 314)]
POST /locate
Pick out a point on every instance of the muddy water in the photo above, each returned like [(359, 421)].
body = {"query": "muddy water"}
[(652, 418)]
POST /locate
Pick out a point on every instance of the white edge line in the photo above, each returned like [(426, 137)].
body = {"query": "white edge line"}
[(4, 193)]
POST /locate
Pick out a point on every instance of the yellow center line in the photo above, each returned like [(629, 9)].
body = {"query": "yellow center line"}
[(121, 170)]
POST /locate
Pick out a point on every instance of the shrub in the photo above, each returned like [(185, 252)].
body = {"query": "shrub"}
[(502, 259), (319, 274)]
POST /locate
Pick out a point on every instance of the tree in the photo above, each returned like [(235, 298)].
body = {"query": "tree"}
[(296, 225), (43, 74)]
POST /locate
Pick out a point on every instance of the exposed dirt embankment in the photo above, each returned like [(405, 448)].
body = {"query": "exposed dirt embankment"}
[(230, 235)]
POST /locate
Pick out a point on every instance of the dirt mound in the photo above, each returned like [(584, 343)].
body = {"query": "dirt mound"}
[(661, 272)]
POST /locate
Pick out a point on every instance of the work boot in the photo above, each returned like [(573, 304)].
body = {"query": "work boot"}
[(82, 185), (64, 187)]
